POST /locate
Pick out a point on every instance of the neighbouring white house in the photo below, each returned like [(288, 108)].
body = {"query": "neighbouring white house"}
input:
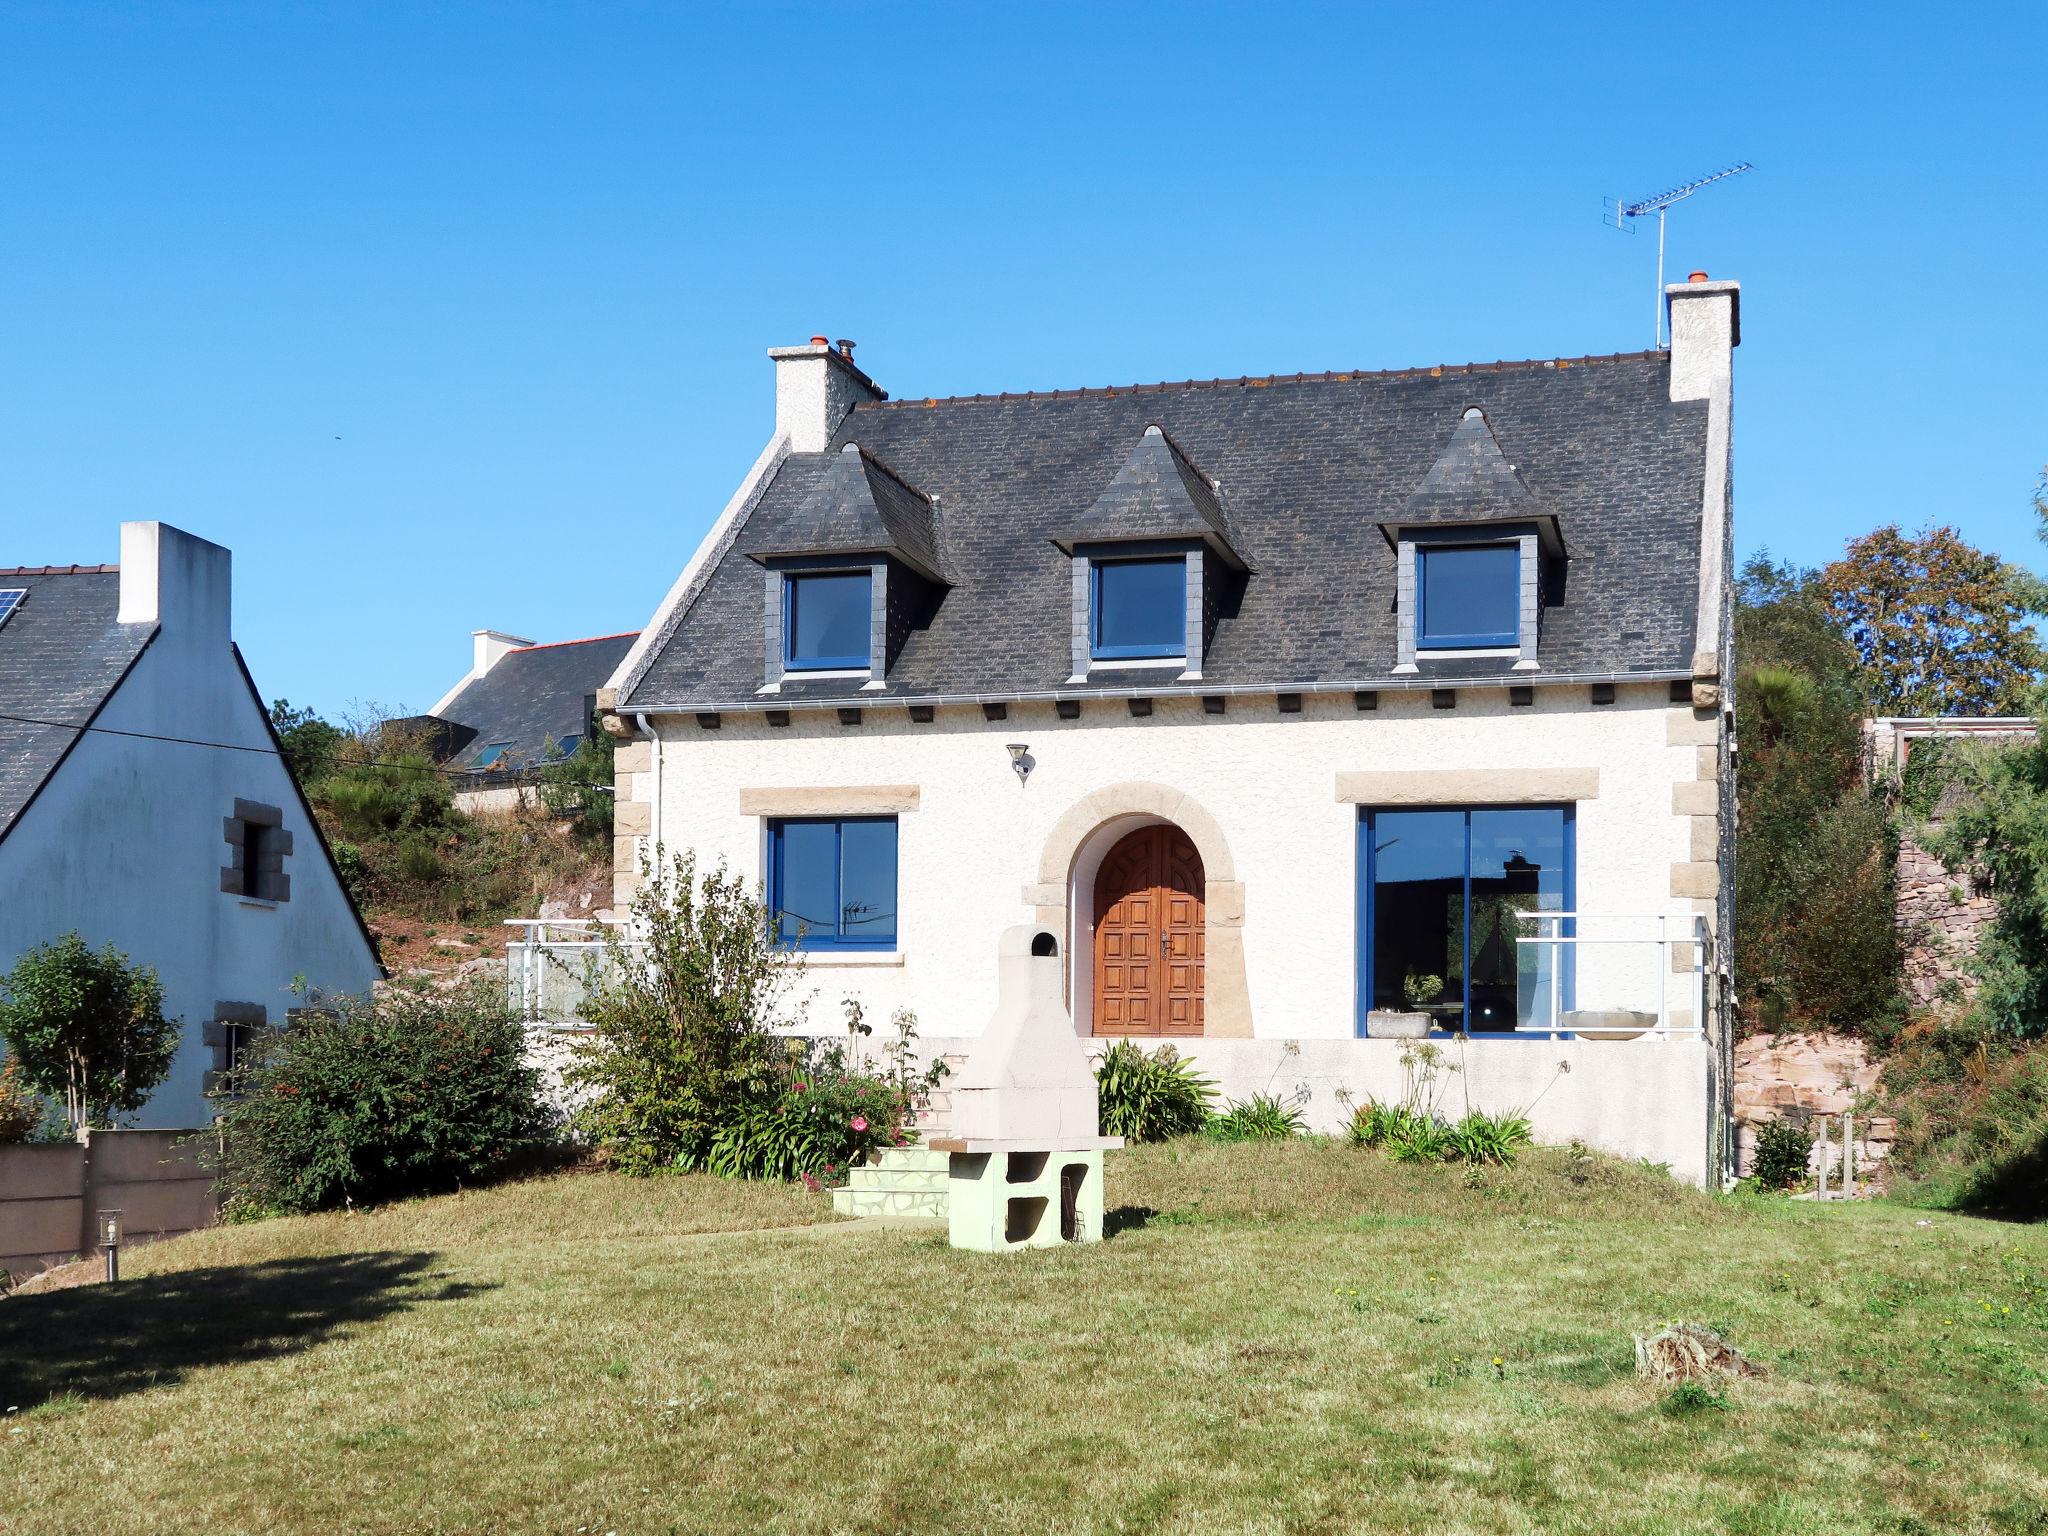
[(144, 802), (1295, 704), (519, 707)]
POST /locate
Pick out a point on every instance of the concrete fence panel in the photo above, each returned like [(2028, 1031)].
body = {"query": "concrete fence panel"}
[(48, 1194)]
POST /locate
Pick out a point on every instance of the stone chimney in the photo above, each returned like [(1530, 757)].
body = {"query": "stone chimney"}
[(815, 386), (1706, 328), (1027, 1080), (488, 648), (175, 579)]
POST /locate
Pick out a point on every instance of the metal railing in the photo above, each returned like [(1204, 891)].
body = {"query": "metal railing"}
[(1616, 988), (552, 966)]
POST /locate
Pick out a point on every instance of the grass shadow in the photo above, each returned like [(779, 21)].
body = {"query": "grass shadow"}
[(107, 1340), (1126, 1218)]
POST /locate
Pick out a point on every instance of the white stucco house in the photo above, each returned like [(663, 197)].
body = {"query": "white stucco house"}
[(144, 802), (1286, 700)]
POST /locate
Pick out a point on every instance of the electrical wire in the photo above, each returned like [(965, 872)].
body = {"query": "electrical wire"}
[(232, 746)]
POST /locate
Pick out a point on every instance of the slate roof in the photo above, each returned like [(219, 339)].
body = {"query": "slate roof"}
[(533, 695), (858, 505), (1158, 494), (1473, 482), (1311, 466), (62, 654)]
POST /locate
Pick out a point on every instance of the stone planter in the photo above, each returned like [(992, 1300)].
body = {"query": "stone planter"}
[(1608, 1023), (1387, 1024)]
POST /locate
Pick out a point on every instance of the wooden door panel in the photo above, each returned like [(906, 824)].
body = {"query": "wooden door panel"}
[(1149, 936)]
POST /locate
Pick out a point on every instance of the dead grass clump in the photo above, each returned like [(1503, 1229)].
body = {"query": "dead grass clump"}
[(1690, 1352)]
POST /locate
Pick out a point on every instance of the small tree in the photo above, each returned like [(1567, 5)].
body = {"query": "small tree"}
[(87, 1027), (580, 784), (311, 745), (684, 1020)]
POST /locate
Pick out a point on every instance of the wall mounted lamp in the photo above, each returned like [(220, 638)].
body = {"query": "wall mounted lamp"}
[(1020, 759)]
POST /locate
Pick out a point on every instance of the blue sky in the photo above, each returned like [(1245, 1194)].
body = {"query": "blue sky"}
[(451, 315)]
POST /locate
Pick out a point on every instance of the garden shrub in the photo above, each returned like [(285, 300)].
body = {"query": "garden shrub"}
[(1972, 1110), (684, 1043), (377, 1097), (22, 1109), (1150, 1098), (579, 786), (1783, 1151), (1259, 1118)]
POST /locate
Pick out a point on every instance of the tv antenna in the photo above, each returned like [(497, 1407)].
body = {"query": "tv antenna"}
[(1622, 215)]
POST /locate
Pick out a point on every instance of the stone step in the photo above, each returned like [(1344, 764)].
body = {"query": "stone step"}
[(877, 1202), (905, 1180), (908, 1158)]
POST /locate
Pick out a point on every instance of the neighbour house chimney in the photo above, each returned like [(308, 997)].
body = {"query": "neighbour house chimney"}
[(815, 386), (490, 646), (175, 579), (1706, 327)]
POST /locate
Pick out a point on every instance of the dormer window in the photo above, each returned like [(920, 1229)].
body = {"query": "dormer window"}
[(1469, 596), (826, 621), (1139, 609)]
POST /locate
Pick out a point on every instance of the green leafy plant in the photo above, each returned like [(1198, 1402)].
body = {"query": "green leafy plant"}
[(1421, 989), (1691, 1397), (311, 745), (1262, 1117), (372, 1098), (685, 1021), (1484, 1138), (1151, 1098), (374, 797), (22, 1111), (1419, 1140), (1374, 1124), (87, 1028), (1783, 1151), (580, 784)]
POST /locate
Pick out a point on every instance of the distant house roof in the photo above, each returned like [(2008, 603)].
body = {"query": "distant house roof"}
[(62, 654), (1310, 468), (531, 696)]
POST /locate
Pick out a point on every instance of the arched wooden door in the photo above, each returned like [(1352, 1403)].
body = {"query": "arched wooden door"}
[(1149, 934)]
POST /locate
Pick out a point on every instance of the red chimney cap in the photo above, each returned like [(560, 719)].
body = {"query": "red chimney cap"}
[(819, 341), (1696, 277)]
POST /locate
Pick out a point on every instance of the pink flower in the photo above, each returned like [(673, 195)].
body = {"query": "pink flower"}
[(860, 1122), (800, 1085)]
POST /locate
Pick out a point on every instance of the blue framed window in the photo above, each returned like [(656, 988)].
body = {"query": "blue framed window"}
[(1441, 901), (832, 882), (825, 620), (488, 758), (1139, 608), (1467, 595)]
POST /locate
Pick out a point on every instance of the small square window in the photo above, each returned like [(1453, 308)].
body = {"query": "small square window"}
[(1140, 609), (488, 758), (825, 621), (832, 882), (1469, 596), (568, 746)]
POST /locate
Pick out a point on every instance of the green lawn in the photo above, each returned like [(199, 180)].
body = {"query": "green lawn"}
[(1291, 1338)]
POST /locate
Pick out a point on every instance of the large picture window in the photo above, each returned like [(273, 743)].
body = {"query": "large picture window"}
[(1140, 609), (1470, 596), (826, 621), (832, 882), (1441, 900)]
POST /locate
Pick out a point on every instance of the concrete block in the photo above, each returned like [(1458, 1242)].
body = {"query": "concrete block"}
[(1695, 879), (1699, 797), (1692, 727)]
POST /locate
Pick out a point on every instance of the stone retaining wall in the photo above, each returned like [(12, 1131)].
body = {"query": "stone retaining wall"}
[(1940, 916), (1802, 1078)]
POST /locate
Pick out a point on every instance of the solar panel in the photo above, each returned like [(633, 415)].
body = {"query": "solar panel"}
[(10, 599)]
